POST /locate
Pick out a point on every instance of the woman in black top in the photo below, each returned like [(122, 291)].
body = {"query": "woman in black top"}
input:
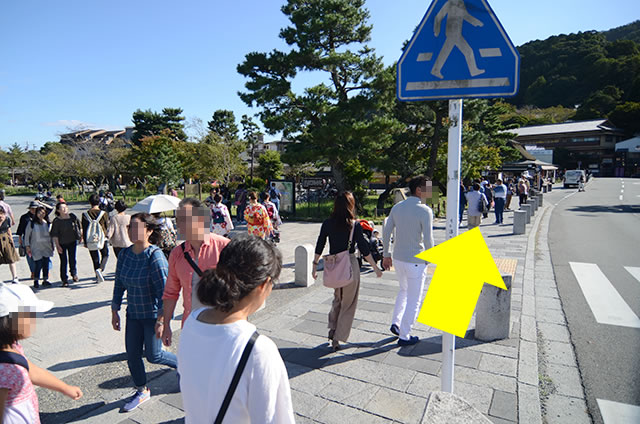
[(345, 299), (65, 233)]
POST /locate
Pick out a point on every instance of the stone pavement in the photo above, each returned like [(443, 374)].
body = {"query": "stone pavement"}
[(370, 380)]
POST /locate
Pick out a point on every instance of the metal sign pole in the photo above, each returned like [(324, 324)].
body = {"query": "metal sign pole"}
[(453, 204)]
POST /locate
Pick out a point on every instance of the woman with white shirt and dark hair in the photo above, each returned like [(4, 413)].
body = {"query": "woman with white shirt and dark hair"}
[(218, 345)]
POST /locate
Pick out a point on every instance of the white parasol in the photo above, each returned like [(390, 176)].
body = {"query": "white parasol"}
[(157, 203)]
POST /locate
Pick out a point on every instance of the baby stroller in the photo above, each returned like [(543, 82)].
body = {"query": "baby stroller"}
[(274, 237), (375, 244)]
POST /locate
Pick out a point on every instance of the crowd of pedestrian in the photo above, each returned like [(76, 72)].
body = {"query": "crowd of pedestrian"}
[(226, 369), (481, 196)]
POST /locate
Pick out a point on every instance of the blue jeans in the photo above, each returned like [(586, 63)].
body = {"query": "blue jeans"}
[(32, 263), (139, 333), (41, 265), (462, 205), (241, 209), (499, 208)]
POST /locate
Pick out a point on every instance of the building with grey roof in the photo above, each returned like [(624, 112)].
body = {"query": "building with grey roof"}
[(586, 144)]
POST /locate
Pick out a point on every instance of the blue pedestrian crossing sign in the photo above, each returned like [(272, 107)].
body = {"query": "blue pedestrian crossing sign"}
[(460, 50)]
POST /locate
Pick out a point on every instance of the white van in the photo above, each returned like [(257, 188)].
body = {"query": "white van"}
[(572, 177)]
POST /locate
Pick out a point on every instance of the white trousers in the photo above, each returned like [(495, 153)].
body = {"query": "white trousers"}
[(411, 278)]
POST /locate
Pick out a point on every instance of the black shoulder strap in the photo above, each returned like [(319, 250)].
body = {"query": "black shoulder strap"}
[(236, 378), (13, 358), (189, 259)]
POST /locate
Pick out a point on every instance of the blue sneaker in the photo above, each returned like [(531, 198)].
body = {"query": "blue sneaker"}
[(138, 399), (412, 340)]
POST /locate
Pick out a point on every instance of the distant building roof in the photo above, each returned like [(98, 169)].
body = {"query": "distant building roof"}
[(565, 127), (631, 145), (95, 135)]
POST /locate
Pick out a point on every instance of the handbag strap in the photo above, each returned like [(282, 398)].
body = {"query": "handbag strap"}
[(189, 259), (236, 378), (353, 230)]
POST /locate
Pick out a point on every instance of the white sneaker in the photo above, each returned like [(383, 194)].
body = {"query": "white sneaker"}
[(99, 276), (16, 281)]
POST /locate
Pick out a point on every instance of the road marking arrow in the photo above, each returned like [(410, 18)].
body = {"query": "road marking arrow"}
[(464, 264)]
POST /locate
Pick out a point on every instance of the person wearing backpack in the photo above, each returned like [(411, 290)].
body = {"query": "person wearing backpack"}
[(141, 271), (95, 223), (18, 375), (66, 233), (274, 216), (257, 217), (477, 205), (275, 195), (221, 222)]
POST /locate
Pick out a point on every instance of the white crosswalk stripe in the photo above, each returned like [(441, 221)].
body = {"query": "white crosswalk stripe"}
[(607, 305), (635, 271), (618, 413)]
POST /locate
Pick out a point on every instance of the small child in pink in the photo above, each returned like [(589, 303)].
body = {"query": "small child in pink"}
[(18, 399)]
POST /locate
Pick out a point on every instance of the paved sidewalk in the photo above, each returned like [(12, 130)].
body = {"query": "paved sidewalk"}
[(372, 380)]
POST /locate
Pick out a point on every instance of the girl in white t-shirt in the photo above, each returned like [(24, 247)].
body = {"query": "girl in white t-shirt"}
[(214, 338)]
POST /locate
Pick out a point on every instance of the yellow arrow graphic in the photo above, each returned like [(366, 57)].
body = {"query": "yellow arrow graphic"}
[(464, 264)]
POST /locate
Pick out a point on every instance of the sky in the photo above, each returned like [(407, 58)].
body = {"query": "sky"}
[(76, 63)]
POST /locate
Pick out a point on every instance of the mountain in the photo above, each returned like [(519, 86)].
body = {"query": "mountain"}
[(626, 32), (595, 72)]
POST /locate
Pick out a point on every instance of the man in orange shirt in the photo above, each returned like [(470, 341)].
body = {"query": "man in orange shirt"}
[(187, 261)]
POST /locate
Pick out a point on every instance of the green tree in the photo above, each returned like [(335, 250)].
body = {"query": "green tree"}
[(223, 123), (148, 123), (222, 157), (156, 159), (269, 165), (251, 133), (15, 159), (339, 120), (599, 104), (627, 117)]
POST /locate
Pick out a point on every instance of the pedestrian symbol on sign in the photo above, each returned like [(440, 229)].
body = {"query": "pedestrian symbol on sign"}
[(459, 50), (456, 13)]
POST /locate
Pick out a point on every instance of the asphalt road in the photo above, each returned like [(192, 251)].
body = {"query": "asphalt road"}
[(601, 227)]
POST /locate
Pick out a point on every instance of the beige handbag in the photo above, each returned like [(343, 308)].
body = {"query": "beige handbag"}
[(338, 271)]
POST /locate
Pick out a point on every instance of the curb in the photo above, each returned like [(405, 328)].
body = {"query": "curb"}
[(529, 405)]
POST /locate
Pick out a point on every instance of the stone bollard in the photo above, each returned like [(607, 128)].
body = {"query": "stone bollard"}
[(527, 208), (533, 201), (519, 222), (540, 197), (304, 265), (493, 312)]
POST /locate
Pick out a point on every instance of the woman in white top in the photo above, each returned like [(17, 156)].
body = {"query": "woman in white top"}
[(118, 231), (214, 338)]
